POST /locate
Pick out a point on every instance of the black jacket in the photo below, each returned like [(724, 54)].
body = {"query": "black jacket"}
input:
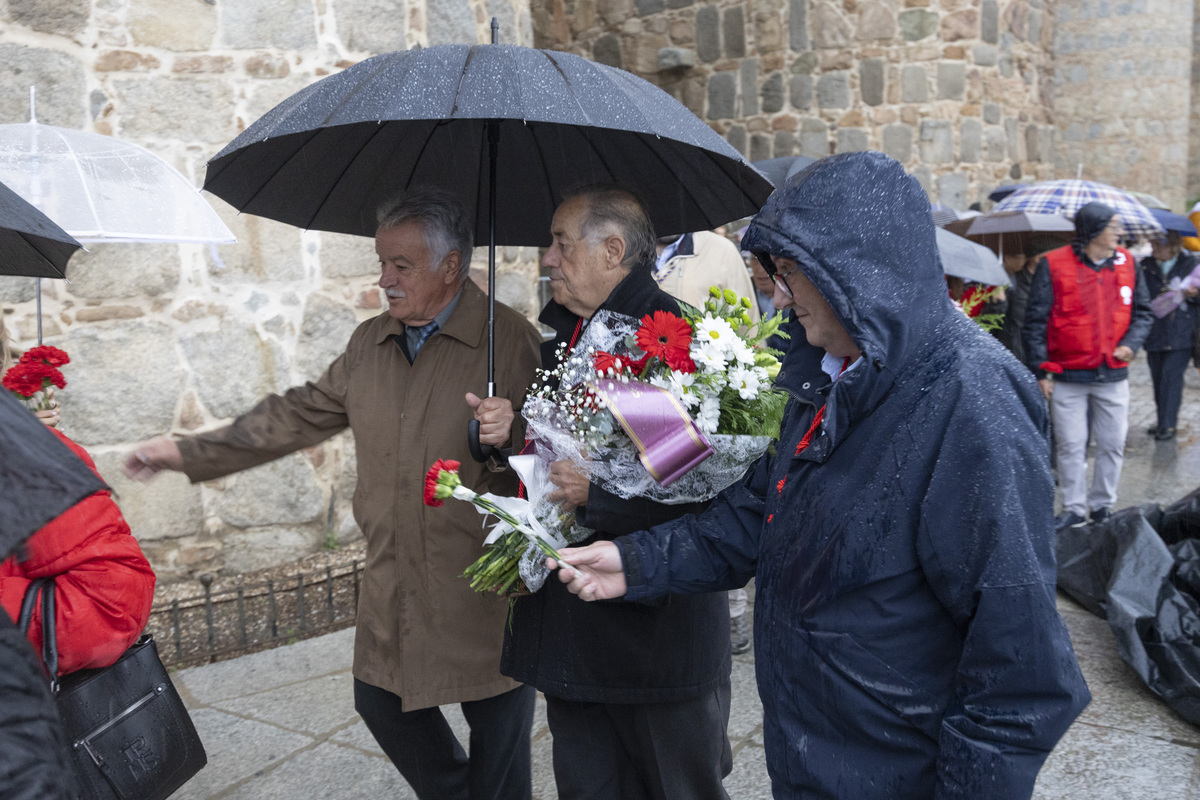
[(1014, 316), (906, 640), (1174, 331), (1037, 317), (674, 649)]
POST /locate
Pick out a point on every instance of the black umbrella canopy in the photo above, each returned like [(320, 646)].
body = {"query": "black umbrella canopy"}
[(328, 156), (39, 476), (30, 243)]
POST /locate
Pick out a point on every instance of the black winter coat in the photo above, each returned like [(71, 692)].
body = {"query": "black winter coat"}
[(1174, 331), (674, 649), (906, 639)]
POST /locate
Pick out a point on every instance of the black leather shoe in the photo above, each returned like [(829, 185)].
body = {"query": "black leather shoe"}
[(1152, 430), (1100, 514), (1164, 434), (1068, 519)]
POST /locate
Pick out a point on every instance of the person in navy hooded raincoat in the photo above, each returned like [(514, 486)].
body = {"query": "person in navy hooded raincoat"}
[(900, 535)]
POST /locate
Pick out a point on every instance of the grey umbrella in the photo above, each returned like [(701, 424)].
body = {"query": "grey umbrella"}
[(506, 129), (970, 261), (778, 170)]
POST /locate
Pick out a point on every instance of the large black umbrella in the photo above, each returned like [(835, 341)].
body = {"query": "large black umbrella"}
[(39, 476), (31, 244), (505, 129)]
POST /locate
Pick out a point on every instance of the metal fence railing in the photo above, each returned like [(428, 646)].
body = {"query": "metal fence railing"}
[(236, 618)]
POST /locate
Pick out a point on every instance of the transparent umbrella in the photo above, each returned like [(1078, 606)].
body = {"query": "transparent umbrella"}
[(100, 189)]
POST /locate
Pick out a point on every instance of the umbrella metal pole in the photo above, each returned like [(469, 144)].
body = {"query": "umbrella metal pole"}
[(493, 148), (39, 309)]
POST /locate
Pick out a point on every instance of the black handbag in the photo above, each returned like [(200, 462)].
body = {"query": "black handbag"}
[(129, 733)]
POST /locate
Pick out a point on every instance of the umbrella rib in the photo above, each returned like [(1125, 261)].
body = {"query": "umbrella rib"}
[(346, 168), (82, 183)]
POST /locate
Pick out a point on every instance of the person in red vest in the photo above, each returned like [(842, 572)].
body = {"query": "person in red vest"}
[(1089, 312)]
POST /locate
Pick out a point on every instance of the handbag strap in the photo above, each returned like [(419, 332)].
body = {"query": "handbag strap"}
[(49, 629)]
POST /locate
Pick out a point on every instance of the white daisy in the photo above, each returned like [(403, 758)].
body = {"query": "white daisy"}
[(746, 381), (714, 331), (709, 415)]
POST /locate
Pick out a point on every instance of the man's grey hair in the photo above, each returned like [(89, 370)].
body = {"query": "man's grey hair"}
[(443, 221), (615, 210)]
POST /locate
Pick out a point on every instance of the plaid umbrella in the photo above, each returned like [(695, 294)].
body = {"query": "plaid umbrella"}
[(1068, 196)]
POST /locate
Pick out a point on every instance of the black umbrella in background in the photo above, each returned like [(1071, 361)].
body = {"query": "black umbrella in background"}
[(505, 129), (31, 245)]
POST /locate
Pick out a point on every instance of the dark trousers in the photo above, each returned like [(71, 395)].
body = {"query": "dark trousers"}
[(425, 750), (1167, 368), (641, 751)]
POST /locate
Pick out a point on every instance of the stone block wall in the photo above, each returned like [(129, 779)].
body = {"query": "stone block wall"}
[(1122, 94), (957, 90), (180, 338)]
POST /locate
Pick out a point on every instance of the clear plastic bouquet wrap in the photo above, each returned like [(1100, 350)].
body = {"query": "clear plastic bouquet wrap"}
[(670, 407)]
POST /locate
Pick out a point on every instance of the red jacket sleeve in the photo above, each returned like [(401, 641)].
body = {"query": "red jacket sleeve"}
[(103, 583)]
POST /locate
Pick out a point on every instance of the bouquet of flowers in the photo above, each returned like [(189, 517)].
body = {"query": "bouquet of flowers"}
[(31, 377), (620, 405), (516, 534)]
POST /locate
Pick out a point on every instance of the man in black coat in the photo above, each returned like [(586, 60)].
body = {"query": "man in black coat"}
[(1169, 343), (900, 534), (637, 694)]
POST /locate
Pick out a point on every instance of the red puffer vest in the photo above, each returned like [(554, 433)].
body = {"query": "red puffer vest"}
[(1091, 310), (103, 583)]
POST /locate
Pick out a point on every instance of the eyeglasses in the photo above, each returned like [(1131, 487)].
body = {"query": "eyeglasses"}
[(777, 278)]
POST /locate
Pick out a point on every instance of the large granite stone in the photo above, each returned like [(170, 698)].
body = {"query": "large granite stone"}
[(871, 80), (951, 80), (924, 176), (607, 50), (451, 22), (914, 84), (772, 93), (286, 24), (198, 109), (374, 26), (989, 21), (784, 144), (122, 383), (1032, 151), (733, 25), (917, 24), (64, 17), (124, 270), (833, 90), (875, 21), (59, 80), (898, 141), (281, 492), (952, 190), (736, 136), (1013, 139), (937, 141), (266, 251), (708, 33), (346, 256), (800, 91), (234, 349), (798, 24), (986, 55), (15, 289), (829, 27), (168, 508), (960, 25), (970, 134), (748, 77), (324, 333), (994, 143), (993, 113), (851, 140), (760, 147), (722, 95), (262, 96), (173, 24), (814, 138)]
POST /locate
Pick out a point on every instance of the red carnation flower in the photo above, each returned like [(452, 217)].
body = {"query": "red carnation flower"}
[(19, 380), (666, 336), (431, 480), (45, 353)]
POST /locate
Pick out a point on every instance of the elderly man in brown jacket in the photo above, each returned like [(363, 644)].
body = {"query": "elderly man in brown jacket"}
[(424, 638)]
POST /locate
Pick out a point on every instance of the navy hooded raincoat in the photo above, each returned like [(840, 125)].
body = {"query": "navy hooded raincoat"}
[(907, 642)]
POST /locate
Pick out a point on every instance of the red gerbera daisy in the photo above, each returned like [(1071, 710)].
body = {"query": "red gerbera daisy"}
[(664, 335)]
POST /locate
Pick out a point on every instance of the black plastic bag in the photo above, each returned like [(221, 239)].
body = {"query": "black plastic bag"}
[(1140, 569)]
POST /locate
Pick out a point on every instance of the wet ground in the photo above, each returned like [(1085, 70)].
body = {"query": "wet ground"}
[(281, 723)]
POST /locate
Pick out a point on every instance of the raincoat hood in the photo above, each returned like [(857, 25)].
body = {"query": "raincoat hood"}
[(1090, 221), (861, 230)]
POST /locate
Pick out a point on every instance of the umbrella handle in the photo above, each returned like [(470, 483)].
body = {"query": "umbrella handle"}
[(482, 452)]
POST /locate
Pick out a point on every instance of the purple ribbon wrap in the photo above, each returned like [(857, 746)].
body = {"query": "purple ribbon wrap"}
[(668, 442)]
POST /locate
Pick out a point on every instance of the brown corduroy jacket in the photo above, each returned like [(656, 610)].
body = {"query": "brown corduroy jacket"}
[(422, 634)]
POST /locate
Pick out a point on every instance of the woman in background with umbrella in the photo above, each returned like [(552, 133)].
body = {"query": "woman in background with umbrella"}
[(1169, 343)]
